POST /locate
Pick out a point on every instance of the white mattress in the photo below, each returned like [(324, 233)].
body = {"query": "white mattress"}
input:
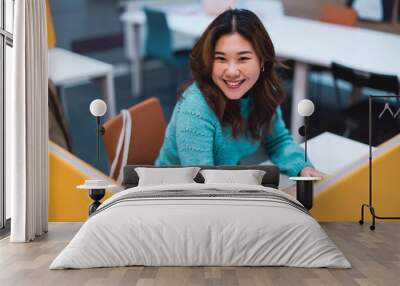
[(183, 231)]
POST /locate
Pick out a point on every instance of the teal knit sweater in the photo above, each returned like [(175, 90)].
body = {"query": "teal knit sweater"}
[(194, 136)]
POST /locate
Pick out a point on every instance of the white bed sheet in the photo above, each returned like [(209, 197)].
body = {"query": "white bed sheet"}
[(200, 231)]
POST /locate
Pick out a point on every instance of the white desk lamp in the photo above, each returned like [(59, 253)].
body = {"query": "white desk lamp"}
[(96, 187), (304, 185), (98, 108), (305, 108)]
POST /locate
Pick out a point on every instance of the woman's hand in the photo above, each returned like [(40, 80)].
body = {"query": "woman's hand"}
[(311, 172)]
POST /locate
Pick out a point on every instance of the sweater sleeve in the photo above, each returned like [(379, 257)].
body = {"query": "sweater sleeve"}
[(282, 150), (195, 132)]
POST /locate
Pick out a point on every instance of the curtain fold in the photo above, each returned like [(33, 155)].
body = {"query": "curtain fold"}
[(27, 124)]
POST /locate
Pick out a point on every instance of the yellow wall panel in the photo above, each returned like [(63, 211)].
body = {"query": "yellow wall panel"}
[(342, 201), (51, 35), (66, 202)]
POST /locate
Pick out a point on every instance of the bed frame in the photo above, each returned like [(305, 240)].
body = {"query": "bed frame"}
[(304, 194), (270, 179)]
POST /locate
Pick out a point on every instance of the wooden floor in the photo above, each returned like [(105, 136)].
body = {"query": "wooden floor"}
[(375, 257)]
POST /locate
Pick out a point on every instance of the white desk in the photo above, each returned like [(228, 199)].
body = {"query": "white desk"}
[(330, 154), (305, 41), (68, 68)]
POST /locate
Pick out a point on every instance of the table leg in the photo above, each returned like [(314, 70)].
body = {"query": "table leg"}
[(96, 195), (355, 95), (109, 93), (395, 12), (299, 93), (132, 51), (305, 193), (64, 103)]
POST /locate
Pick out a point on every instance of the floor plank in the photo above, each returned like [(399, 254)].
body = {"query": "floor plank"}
[(375, 257)]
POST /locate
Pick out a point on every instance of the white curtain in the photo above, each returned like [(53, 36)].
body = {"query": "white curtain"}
[(27, 124)]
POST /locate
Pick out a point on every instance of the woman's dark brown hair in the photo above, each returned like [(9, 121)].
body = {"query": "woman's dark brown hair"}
[(267, 92)]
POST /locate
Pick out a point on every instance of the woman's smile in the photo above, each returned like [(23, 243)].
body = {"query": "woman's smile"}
[(234, 84)]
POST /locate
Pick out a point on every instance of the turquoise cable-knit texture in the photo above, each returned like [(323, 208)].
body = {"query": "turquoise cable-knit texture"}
[(194, 136)]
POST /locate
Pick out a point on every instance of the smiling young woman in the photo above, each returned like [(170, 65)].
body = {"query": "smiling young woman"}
[(232, 105)]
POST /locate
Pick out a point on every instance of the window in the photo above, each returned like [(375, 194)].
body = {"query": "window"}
[(6, 43)]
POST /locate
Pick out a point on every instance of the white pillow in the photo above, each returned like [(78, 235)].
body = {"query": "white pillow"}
[(163, 176), (248, 177)]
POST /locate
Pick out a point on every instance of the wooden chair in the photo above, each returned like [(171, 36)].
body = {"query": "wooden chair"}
[(147, 136), (338, 14)]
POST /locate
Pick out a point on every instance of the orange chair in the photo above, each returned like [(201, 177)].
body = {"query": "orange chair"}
[(338, 14), (147, 136)]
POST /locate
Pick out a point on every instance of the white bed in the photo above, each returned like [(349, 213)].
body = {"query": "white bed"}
[(223, 225)]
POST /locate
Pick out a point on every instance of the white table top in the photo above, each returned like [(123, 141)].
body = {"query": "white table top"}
[(307, 41), (95, 184), (331, 153), (66, 67), (305, 178), (321, 43)]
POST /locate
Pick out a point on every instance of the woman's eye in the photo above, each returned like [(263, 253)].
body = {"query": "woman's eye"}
[(243, 59), (219, 59)]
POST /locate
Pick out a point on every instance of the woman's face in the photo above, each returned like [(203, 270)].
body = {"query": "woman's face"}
[(236, 66)]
